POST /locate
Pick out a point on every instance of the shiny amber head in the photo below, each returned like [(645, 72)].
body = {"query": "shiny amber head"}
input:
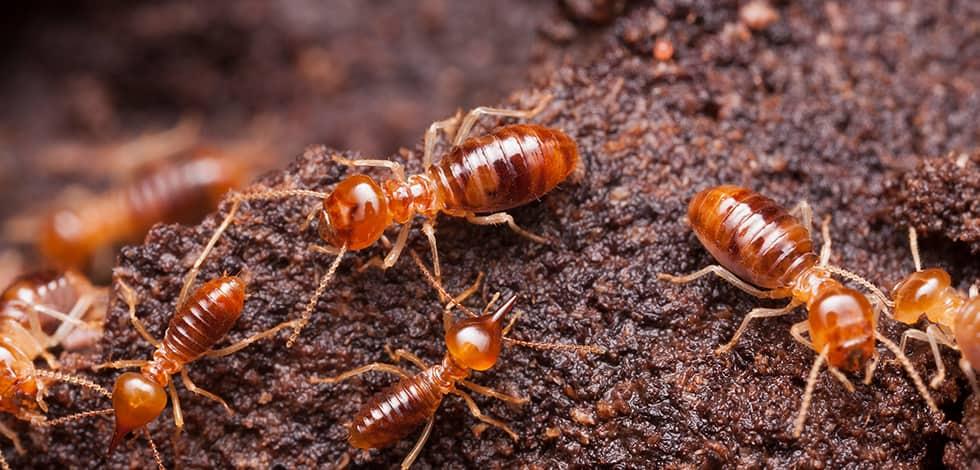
[(64, 239), (842, 320), (136, 401), (355, 213), (920, 292), (475, 343)]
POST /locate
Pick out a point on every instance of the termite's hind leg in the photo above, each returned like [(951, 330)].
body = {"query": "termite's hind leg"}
[(476, 113)]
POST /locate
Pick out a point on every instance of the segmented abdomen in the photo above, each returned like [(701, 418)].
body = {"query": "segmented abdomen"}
[(507, 168), (968, 331), (751, 235), (203, 320), (396, 411), (56, 290)]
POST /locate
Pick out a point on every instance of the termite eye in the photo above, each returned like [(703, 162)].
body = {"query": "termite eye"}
[(136, 401), (355, 213), (475, 342)]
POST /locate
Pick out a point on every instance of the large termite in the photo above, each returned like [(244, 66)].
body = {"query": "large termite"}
[(757, 240)]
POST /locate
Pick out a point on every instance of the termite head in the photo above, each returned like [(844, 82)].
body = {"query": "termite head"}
[(355, 213), (136, 401), (475, 343), (64, 239), (842, 320), (921, 292)]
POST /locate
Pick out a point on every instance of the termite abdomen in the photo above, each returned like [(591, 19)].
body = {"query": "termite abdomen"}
[(204, 319), (512, 166), (751, 235), (396, 411)]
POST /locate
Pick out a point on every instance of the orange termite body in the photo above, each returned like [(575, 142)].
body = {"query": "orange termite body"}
[(203, 320), (181, 191), (510, 167), (758, 240), (955, 317)]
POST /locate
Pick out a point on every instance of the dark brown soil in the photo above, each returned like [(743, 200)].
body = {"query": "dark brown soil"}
[(830, 104)]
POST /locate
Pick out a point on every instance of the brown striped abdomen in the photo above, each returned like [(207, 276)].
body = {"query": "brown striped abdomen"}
[(203, 320), (968, 331), (396, 411), (510, 167), (751, 236)]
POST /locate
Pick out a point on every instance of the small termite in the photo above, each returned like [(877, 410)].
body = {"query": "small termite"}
[(955, 317), (473, 344), (26, 334), (756, 239), (169, 192), (57, 308), (507, 168), (200, 322)]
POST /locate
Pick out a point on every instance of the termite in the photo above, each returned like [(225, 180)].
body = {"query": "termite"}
[(507, 168), (757, 240), (200, 322), (169, 192), (26, 334), (57, 308), (955, 317), (473, 344)]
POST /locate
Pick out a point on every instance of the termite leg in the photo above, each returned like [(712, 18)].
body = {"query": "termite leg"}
[(429, 229), (130, 297), (755, 313), (10, 434), (827, 243), (449, 126), (395, 167), (396, 250), (189, 385), (178, 414), (472, 289), (970, 375), (399, 354), (417, 449), (489, 392), (231, 349), (929, 337), (372, 367), (78, 311), (796, 331), (726, 275), (475, 411), (476, 113), (505, 218), (511, 323), (904, 361)]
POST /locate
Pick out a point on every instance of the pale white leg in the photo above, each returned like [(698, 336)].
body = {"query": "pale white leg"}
[(970, 375), (755, 313), (72, 320), (726, 275), (372, 367), (429, 229), (827, 243), (489, 392), (476, 113), (130, 297), (417, 449), (803, 210), (202, 392), (395, 167), (396, 250), (399, 354), (175, 402), (231, 349), (448, 126), (505, 218), (475, 411), (914, 247), (928, 337)]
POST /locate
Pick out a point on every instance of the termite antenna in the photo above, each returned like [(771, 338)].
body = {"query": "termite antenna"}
[(75, 380), (914, 247), (863, 282), (453, 301), (904, 360), (69, 418), (320, 289), (585, 348), (153, 448), (811, 382)]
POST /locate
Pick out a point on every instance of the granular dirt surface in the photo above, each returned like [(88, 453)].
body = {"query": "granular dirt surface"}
[(820, 105)]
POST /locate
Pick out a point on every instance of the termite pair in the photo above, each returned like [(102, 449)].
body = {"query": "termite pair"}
[(757, 240), (37, 312), (507, 168), (473, 344)]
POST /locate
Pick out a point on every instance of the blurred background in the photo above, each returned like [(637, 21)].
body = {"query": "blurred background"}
[(99, 94)]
